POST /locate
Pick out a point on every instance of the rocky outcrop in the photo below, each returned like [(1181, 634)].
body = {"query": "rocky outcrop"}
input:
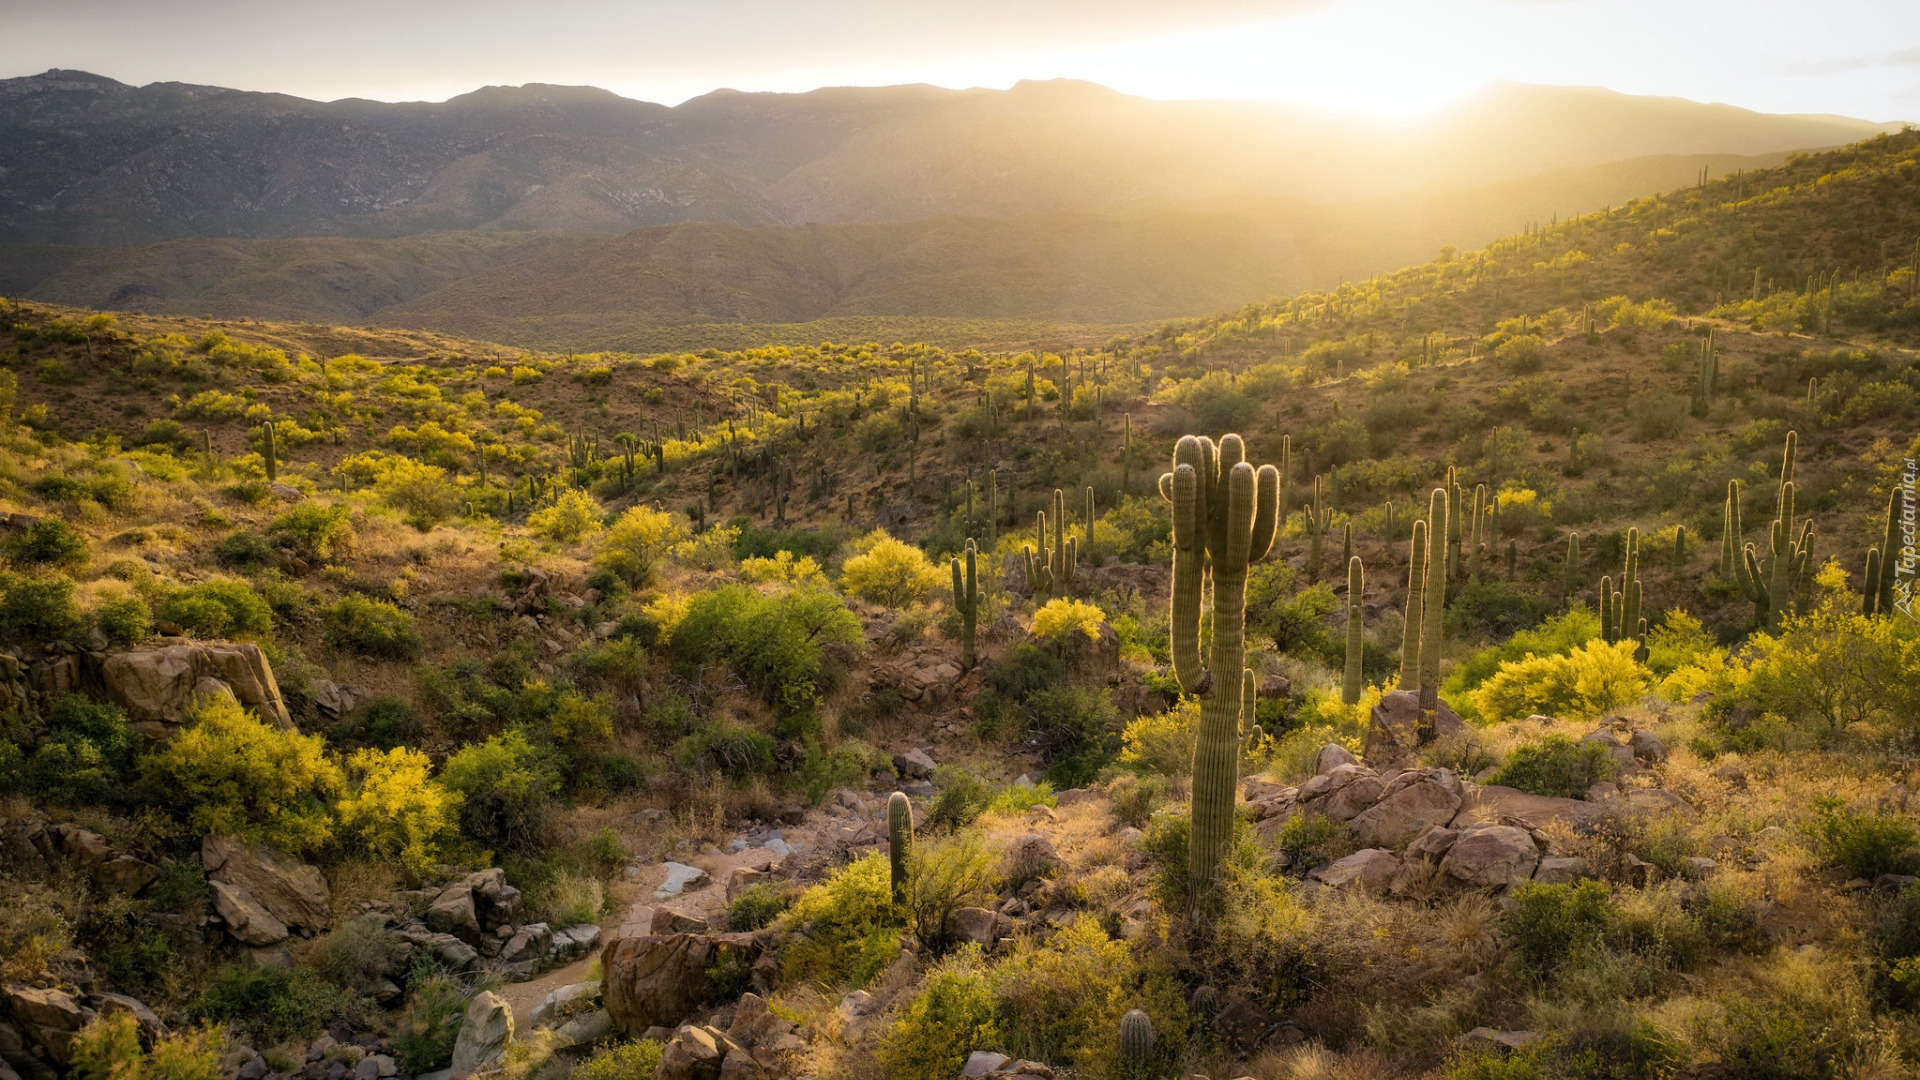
[(48, 1019), (156, 684), (650, 980), (1369, 869), (1491, 857), (37, 846), (263, 895), (1409, 805), (484, 1036), (1393, 728), (476, 906)]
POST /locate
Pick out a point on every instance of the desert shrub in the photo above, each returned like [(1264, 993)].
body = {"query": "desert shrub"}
[(1807, 1018), (825, 771), (1580, 685), (228, 771), (1135, 797), (39, 608), (1557, 636), (574, 516), (109, 1048), (889, 572), (218, 608), (47, 542), (1296, 622), (314, 532), (1828, 670), (846, 927), (360, 953), (637, 542), (370, 627), (1025, 671), (1163, 742), (754, 907), (125, 620), (945, 875), (1491, 607), (1556, 766), (271, 1004), (1310, 840), (953, 1015), (781, 568), (86, 751), (728, 750), (636, 1060), (962, 797), (575, 899), (791, 647), (423, 1036), (1864, 845), (1550, 923), (1521, 354), (393, 811), (1060, 618), (244, 549), (1072, 727), (1061, 1002), (505, 785), (388, 721)]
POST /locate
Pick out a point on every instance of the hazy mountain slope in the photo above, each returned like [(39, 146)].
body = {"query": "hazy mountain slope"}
[(86, 160)]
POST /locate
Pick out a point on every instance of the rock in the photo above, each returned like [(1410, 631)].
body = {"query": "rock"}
[(124, 875), (1699, 866), (1894, 882), (1331, 757), (453, 911), (1602, 791), (1560, 870), (1647, 747), (694, 1053), (1496, 804), (331, 698), (149, 1021), (978, 925), (1658, 801), (680, 878), (1035, 856), (1392, 728), (1370, 869), (247, 920), (1241, 1021), (662, 978), (1272, 687), (1428, 799), (981, 1062), (530, 942), (48, 1019), (1076, 796), (293, 892), (156, 684), (916, 764), (589, 1028), (1502, 1041), (367, 1069), (1432, 845), (548, 1011), (1491, 857), (484, 1035)]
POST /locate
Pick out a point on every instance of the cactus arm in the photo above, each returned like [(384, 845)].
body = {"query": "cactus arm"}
[(1266, 512), (1184, 613)]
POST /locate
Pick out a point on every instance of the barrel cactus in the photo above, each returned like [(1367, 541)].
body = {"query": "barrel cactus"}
[(1224, 518), (1136, 1046)]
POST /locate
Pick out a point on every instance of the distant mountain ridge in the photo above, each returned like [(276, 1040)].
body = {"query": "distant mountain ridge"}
[(88, 161)]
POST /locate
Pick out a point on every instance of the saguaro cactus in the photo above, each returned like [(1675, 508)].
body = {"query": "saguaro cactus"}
[(1356, 585), (1053, 570), (1679, 551), (1730, 534), (1476, 546), (1319, 520), (269, 454), (899, 842), (1136, 1046), (1882, 559), (1771, 583), (966, 600), (1570, 581), (1224, 518), (1432, 612), (1416, 602)]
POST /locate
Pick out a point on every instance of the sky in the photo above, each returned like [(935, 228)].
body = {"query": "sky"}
[(1395, 58)]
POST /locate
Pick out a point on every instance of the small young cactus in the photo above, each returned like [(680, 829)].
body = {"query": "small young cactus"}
[(899, 842), (1136, 1046), (1356, 585), (1416, 601), (966, 600)]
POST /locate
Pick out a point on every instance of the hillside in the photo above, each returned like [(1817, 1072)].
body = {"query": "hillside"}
[(362, 688)]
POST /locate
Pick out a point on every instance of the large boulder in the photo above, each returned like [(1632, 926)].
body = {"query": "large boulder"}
[(694, 1053), (49, 1019), (293, 892), (1393, 728), (1341, 793), (1491, 857), (157, 684), (1369, 869), (1413, 802), (1507, 805), (659, 979), (484, 1035), (247, 920)]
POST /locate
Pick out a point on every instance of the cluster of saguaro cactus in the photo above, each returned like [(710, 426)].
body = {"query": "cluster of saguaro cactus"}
[(1225, 514), (1053, 570), (966, 600), (1476, 543), (1771, 582), (1707, 381), (269, 452), (1877, 598), (1356, 586), (1416, 602), (899, 843), (1620, 608), (1136, 1046), (1319, 519)]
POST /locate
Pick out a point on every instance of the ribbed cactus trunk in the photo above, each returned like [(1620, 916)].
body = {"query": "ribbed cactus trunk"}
[(1416, 604), (1476, 548), (1570, 582), (966, 600), (1136, 1046), (1433, 611), (1608, 600), (899, 843), (1356, 586), (1890, 545), (269, 453), (1679, 552), (1224, 518), (1513, 560)]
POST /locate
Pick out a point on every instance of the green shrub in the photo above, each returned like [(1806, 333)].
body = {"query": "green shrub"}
[(1311, 840), (1863, 845), (846, 927), (48, 542), (272, 1004), (1072, 726), (506, 785), (848, 764), (945, 875), (1061, 1002), (736, 753), (423, 1036), (953, 1015), (218, 608), (125, 621), (244, 549), (1135, 796), (1556, 766), (963, 797), (371, 627), (84, 755), (360, 953), (754, 907), (792, 646), (1580, 685), (314, 532), (228, 771), (39, 609), (109, 1048), (387, 722), (636, 1060), (1026, 670), (1551, 922)]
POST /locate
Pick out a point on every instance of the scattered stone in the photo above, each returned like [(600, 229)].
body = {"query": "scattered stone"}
[(247, 920), (48, 1018), (1560, 870), (484, 1036), (694, 1053), (453, 911), (981, 1062), (916, 764), (978, 925), (659, 979), (1414, 802), (1331, 757), (1647, 747), (1699, 866), (293, 892), (680, 878)]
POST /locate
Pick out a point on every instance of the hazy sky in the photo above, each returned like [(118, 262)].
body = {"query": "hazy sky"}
[(1856, 57)]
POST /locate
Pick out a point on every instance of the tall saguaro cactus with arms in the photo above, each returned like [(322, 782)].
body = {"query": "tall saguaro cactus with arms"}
[(1224, 518)]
